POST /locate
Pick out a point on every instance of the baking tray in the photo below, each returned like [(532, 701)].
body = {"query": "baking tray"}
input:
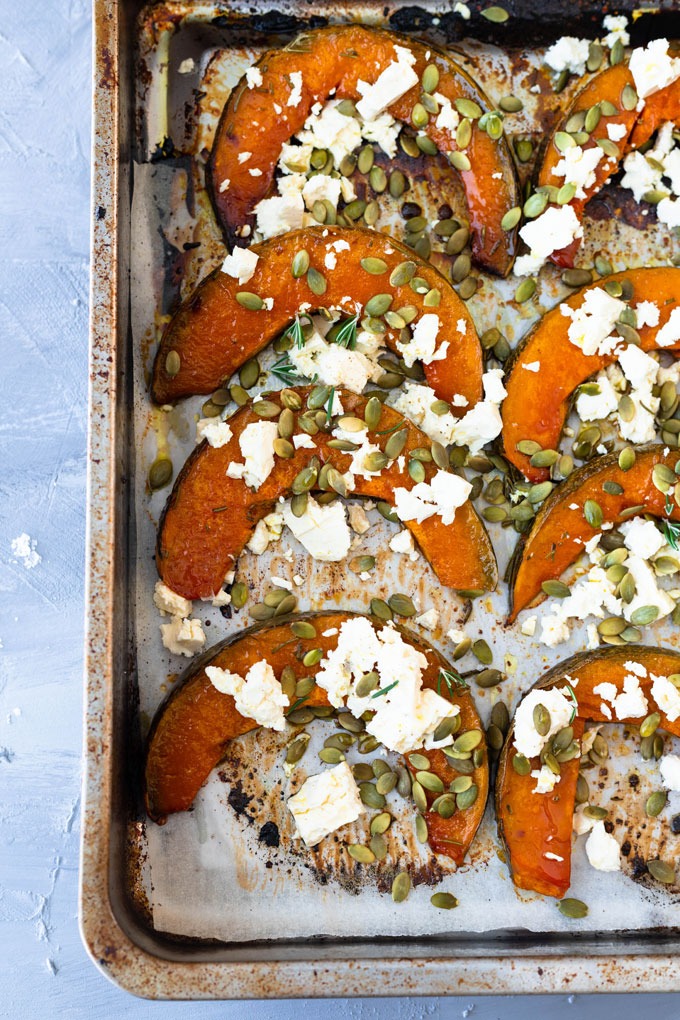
[(115, 923)]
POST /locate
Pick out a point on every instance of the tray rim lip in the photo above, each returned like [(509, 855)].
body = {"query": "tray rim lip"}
[(126, 963)]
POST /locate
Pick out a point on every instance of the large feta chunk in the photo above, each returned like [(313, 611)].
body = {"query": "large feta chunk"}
[(443, 495), (594, 406), (241, 264), (578, 166), (216, 432), (257, 447), (423, 344), (568, 54), (669, 767), (667, 696), (279, 214), (397, 78), (593, 320), (647, 592), (183, 637), (326, 802), (168, 601), (642, 537), (527, 740), (602, 850), (322, 530), (332, 364), (670, 332), (653, 68), (257, 696), (553, 230)]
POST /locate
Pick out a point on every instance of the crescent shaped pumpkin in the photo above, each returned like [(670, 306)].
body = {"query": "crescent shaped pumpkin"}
[(333, 61), (193, 727), (536, 828), (212, 334)]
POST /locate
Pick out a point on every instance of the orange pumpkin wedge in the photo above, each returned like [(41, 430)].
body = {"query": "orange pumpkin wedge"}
[(534, 825), (607, 86), (659, 108), (193, 727), (537, 403), (333, 61), (560, 528), (212, 334), (210, 517)]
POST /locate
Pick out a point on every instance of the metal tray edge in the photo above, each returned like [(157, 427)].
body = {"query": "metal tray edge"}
[(126, 963)]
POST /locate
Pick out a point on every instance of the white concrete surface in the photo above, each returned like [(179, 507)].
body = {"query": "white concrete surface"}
[(44, 223)]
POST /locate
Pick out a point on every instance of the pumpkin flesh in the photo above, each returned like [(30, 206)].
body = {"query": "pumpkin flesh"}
[(532, 825), (193, 727)]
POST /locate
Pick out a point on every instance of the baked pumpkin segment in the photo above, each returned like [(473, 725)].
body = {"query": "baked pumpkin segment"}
[(547, 366), (536, 827), (193, 727), (226, 322), (601, 492), (218, 498), (346, 62)]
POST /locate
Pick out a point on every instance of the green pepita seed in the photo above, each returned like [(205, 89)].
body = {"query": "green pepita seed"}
[(239, 395), (535, 205), (430, 78), (482, 652), (429, 781), (629, 98), (416, 470), (500, 716), (401, 887), (468, 741), (312, 657), (300, 264), (498, 15), (331, 756), (421, 829), (316, 281), (627, 458), (378, 304), (661, 871), (489, 678), (380, 609), (577, 277), (380, 823), (419, 761), (370, 796), (525, 291), (386, 783), (644, 615), (592, 511), (524, 149), (521, 765), (467, 798), (556, 589), (253, 302), (249, 373), (239, 595), (297, 748), (459, 161), (511, 218), (418, 794), (541, 717), (360, 853), (511, 104), (401, 604), (572, 908), (656, 802), (160, 473), (173, 363), (650, 725), (376, 267), (443, 901)]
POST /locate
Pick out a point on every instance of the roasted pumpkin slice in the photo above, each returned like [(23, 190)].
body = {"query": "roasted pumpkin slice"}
[(561, 527), (659, 108), (216, 330), (209, 517), (537, 403), (536, 828), (192, 728), (333, 61)]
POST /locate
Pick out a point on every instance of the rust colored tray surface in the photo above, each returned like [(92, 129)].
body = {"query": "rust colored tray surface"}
[(114, 916)]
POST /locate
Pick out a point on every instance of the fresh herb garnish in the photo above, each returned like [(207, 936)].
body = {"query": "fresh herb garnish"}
[(574, 703), (347, 334), (285, 370), (452, 680), (329, 406), (295, 332), (385, 432), (296, 704), (384, 690), (671, 532)]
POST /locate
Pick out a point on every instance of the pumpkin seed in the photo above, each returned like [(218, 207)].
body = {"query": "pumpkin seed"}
[(362, 854), (377, 178), (331, 756), (275, 598), (489, 678), (239, 595), (563, 141), (380, 823), (304, 480), (661, 871), (595, 55), (467, 798), (386, 783), (592, 511), (500, 716), (627, 458), (521, 765), (361, 564), (387, 511), (616, 53), (525, 291), (482, 652), (378, 304), (511, 218), (494, 737), (663, 477), (528, 447), (593, 117), (210, 410), (316, 281), (416, 470), (468, 741), (524, 149), (459, 161), (286, 605), (300, 264), (430, 78), (455, 245), (160, 473), (468, 288), (443, 900), (612, 625), (655, 803), (421, 829), (239, 395), (433, 298), (650, 725), (395, 444), (419, 761), (429, 781), (556, 589), (380, 609), (266, 409), (401, 604), (401, 886), (370, 796), (629, 98), (577, 277), (173, 363), (312, 657), (644, 615), (572, 908), (627, 588), (535, 205), (582, 789), (511, 104), (297, 748), (249, 373), (498, 15), (542, 721)]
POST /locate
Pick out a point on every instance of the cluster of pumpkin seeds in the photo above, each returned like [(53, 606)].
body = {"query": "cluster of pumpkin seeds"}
[(512, 501), (561, 748)]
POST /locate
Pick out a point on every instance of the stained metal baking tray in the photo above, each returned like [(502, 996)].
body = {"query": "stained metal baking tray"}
[(115, 925)]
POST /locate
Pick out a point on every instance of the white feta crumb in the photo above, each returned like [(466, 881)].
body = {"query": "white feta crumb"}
[(303, 442), (594, 406), (24, 548), (647, 314), (183, 637), (532, 366), (593, 320), (243, 157), (429, 619), (281, 582), (526, 738), (397, 78), (545, 780), (358, 521), (669, 767), (642, 537), (257, 447), (670, 332), (216, 432), (331, 632), (553, 230), (295, 78), (253, 77), (667, 697), (443, 495), (568, 54), (322, 530), (257, 696), (616, 131), (324, 803), (168, 601), (423, 344), (462, 9), (578, 167), (186, 66), (616, 26), (652, 68), (582, 823), (528, 627), (602, 849), (224, 185)]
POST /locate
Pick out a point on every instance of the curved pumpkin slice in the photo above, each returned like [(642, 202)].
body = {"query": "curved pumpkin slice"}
[(210, 517), (333, 61), (560, 528), (193, 726), (536, 828), (607, 86), (537, 403), (213, 333), (660, 107)]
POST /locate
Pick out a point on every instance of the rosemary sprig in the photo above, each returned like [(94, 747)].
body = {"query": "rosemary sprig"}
[(329, 405), (347, 334), (452, 680), (295, 332), (285, 370), (384, 690), (296, 704), (574, 703), (671, 532)]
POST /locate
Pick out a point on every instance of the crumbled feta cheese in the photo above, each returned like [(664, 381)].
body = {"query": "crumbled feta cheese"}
[(295, 78), (448, 118), (670, 332), (358, 521), (647, 592), (553, 230), (322, 530), (255, 172), (320, 188), (267, 530), (667, 696), (332, 364), (186, 66), (183, 637), (429, 619), (257, 447), (582, 823), (528, 627), (578, 166), (243, 157), (168, 601), (652, 68), (642, 537), (593, 320), (483, 422), (24, 548), (668, 212), (593, 636), (257, 696), (647, 314), (384, 131), (216, 432), (330, 260), (602, 849), (554, 631), (532, 366), (423, 344), (224, 185), (402, 542), (303, 442), (253, 77), (568, 54), (279, 214), (616, 25), (669, 767), (326, 802), (616, 131), (443, 495), (545, 780), (415, 401), (594, 406), (397, 78), (526, 738)]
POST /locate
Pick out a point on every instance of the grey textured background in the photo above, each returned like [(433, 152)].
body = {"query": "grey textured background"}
[(44, 228)]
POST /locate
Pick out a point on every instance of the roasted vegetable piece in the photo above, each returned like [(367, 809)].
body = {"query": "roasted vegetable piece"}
[(559, 532), (532, 825), (607, 86), (537, 403), (210, 517), (659, 108), (212, 334), (334, 60), (193, 726)]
